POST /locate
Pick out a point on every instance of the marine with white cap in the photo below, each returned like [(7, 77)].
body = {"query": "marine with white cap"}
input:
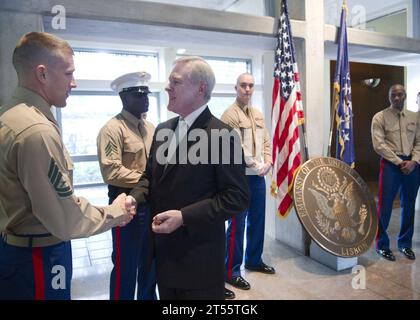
[(123, 149)]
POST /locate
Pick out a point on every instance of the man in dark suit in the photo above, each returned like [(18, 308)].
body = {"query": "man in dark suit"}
[(193, 185)]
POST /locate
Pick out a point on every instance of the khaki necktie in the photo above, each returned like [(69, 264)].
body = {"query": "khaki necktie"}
[(251, 118)]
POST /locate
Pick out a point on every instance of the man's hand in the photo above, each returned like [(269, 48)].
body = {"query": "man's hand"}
[(263, 169), (408, 166), (167, 222), (129, 206)]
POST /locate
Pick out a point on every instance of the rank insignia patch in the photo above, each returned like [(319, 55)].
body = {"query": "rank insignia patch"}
[(56, 178), (110, 149)]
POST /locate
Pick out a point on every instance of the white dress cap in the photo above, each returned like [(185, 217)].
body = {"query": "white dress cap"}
[(133, 79)]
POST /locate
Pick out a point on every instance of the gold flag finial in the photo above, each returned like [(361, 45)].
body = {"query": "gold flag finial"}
[(345, 7)]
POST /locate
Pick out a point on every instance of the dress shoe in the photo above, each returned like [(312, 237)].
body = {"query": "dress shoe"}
[(239, 282), (262, 268), (229, 294), (387, 254), (408, 253)]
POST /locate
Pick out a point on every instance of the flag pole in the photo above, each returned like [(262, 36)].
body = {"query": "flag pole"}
[(333, 116), (334, 101), (305, 145)]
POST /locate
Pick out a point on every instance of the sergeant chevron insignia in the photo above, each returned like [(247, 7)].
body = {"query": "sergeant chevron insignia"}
[(56, 178), (110, 149)]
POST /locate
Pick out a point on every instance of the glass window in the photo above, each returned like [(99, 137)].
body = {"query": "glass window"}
[(87, 172), (227, 70), (218, 105), (108, 65), (385, 16), (85, 115), (88, 111)]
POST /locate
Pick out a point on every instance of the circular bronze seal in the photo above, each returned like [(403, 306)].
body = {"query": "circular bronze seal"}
[(335, 206)]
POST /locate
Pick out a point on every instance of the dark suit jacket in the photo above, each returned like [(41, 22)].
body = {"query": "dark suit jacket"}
[(192, 257)]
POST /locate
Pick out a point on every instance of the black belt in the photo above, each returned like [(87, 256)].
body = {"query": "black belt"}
[(29, 241)]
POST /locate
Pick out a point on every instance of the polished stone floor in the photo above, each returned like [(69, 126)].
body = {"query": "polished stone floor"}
[(298, 277)]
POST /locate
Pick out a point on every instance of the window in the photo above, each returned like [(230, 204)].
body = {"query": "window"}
[(81, 120), (88, 110), (108, 65), (218, 104), (227, 70), (85, 115)]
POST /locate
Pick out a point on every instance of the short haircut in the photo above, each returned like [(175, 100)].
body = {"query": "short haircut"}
[(243, 74), (36, 48), (200, 71), (397, 86)]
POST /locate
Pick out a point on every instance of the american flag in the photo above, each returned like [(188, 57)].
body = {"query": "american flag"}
[(342, 98), (286, 116)]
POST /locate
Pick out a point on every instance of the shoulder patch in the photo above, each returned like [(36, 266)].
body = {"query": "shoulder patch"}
[(110, 148), (56, 178)]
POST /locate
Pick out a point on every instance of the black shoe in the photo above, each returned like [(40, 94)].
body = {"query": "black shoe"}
[(229, 294), (239, 282), (262, 268), (387, 254), (408, 253)]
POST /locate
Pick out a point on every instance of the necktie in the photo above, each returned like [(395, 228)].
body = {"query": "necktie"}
[(253, 128), (180, 134)]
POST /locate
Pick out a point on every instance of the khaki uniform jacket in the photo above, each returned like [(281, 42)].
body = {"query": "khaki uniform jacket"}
[(249, 123), (123, 149), (36, 192), (396, 134)]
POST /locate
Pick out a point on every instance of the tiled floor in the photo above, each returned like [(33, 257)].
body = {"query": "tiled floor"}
[(297, 276)]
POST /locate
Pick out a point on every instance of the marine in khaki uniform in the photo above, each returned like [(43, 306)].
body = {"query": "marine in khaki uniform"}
[(396, 138), (39, 212), (123, 149), (249, 122)]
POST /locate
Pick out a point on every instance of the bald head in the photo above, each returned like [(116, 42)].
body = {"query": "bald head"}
[(397, 96), (38, 48), (244, 88)]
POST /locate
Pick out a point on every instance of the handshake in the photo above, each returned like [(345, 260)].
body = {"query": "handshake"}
[(129, 205)]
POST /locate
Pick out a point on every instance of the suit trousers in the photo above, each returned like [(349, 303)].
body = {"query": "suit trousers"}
[(254, 217), (392, 180)]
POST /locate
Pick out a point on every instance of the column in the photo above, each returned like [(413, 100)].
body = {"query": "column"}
[(13, 25)]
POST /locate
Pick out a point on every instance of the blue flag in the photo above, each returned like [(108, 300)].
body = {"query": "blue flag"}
[(342, 101)]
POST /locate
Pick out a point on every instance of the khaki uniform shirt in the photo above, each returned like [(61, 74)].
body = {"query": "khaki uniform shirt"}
[(123, 148), (396, 134), (249, 122), (36, 192)]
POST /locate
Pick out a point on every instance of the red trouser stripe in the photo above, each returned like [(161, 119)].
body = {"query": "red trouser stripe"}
[(117, 291), (38, 273), (232, 247), (380, 194)]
